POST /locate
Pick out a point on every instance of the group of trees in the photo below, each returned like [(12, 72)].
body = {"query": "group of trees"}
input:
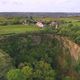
[(41, 71), (16, 20), (71, 31), (37, 57), (9, 21), (5, 64)]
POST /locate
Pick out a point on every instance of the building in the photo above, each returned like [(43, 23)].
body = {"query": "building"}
[(40, 24), (25, 22), (54, 24)]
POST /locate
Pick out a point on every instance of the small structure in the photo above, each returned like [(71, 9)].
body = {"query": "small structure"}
[(54, 24), (40, 24), (24, 22)]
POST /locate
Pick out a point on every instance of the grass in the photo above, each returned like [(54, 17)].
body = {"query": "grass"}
[(10, 29)]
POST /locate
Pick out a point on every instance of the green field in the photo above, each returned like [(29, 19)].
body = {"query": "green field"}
[(10, 29)]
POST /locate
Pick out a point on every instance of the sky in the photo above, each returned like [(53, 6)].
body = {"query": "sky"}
[(39, 5)]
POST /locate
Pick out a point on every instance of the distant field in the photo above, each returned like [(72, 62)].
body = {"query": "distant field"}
[(10, 29)]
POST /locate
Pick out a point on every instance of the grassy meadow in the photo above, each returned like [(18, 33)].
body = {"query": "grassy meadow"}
[(11, 29)]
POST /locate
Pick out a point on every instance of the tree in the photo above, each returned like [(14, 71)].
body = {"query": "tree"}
[(15, 74), (27, 71), (43, 71), (5, 63)]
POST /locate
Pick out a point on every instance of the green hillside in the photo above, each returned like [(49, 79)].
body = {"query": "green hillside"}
[(39, 53), (28, 52)]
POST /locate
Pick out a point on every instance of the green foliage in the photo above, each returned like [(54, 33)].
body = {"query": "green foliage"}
[(49, 29), (17, 29), (68, 78), (42, 56), (5, 63), (70, 31), (43, 71), (77, 67), (27, 71), (43, 52), (15, 74)]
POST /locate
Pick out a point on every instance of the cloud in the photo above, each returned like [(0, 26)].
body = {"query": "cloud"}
[(40, 5)]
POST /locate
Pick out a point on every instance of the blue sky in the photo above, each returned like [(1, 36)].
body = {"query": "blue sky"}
[(39, 5)]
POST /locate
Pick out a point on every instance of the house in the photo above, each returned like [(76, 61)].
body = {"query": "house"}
[(54, 24), (40, 24), (25, 22)]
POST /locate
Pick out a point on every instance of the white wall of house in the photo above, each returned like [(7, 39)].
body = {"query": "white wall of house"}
[(39, 24)]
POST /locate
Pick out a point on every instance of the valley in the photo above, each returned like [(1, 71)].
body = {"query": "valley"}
[(30, 51)]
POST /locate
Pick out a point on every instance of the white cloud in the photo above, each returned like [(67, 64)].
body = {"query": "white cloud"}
[(40, 5)]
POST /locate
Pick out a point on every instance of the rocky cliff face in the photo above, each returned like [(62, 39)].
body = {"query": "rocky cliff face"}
[(72, 46)]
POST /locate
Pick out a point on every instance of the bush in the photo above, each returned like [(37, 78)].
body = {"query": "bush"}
[(15, 74), (5, 63), (27, 71)]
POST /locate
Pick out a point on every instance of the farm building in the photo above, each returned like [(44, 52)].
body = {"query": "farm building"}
[(54, 24), (25, 22), (40, 24)]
